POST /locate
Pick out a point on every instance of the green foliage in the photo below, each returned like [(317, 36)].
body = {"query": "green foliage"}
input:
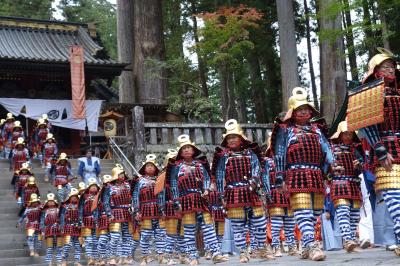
[(100, 12), (39, 9), (225, 35)]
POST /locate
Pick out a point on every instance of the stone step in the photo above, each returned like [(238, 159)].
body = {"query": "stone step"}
[(13, 237), (11, 229), (14, 253), (22, 261)]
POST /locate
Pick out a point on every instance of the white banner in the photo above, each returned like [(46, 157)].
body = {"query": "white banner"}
[(59, 111)]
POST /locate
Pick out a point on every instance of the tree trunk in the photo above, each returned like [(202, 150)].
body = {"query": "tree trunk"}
[(200, 60), (385, 30), (227, 93), (333, 74), (149, 76), (310, 59), (125, 29), (288, 50), (257, 88), (369, 36), (350, 41)]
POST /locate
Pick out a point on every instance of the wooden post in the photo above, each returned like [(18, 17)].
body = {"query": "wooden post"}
[(139, 142)]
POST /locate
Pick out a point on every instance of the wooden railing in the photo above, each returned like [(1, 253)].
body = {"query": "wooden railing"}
[(166, 134), (158, 137)]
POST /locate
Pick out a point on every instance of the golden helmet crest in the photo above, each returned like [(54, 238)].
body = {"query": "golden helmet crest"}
[(41, 122), (45, 117), (172, 153), (9, 116), (49, 136), (51, 197), (116, 171), (233, 128), (73, 192), (298, 98), (17, 124), (34, 198), (25, 166), (63, 156), (378, 59), (31, 180), (20, 141), (81, 186), (107, 179), (92, 181), (185, 140), (342, 127), (151, 158), (2, 121)]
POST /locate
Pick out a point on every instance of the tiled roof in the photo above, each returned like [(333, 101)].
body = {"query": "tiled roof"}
[(48, 41)]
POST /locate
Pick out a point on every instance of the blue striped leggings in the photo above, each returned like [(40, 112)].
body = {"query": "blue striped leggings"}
[(124, 238), (288, 224), (77, 247), (209, 237), (392, 200), (91, 245), (159, 236), (51, 249), (102, 246), (33, 242), (306, 219), (348, 220), (257, 225)]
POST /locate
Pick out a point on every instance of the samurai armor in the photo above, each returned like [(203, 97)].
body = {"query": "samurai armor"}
[(88, 219), (277, 199), (170, 210), (241, 196), (220, 228), (115, 227), (216, 208), (28, 191), (86, 232), (391, 120), (304, 180), (19, 157), (356, 204), (190, 185), (61, 170), (346, 189), (33, 218), (171, 226), (392, 145), (120, 202), (51, 222), (193, 202), (314, 201), (236, 168), (347, 185), (71, 220), (387, 180), (366, 105), (148, 201), (307, 149), (121, 215), (236, 213), (276, 211), (102, 221), (60, 181), (59, 241)]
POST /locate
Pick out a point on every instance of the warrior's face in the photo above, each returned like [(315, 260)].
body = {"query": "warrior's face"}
[(19, 147), (346, 137), (63, 162), (233, 141), (51, 204), (93, 190), (302, 115), (187, 152), (74, 199), (35, 204), (386, 69), (121, 177), (150, 169)]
